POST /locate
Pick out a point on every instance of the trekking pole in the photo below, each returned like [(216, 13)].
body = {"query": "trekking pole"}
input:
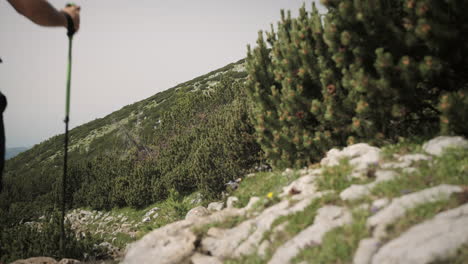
[(70, 33)]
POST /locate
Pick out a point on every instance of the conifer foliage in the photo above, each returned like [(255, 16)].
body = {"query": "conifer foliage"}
[(366, 70)]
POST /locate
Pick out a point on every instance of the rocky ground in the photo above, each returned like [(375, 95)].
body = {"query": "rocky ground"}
[(383, 207), (406, 203)]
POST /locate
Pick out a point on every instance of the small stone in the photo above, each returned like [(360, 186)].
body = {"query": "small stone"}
[(146, 220), (288, 172), (231, 200), (197, 212), (437, 145), (215, 206), (379, 204)]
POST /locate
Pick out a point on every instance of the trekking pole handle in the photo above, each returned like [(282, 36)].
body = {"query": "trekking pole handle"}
[(70, 24)]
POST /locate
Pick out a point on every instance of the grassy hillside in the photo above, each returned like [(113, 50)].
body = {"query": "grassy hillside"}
[(178, 139)]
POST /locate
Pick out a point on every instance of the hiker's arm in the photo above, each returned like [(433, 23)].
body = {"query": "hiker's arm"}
[(44, 14)]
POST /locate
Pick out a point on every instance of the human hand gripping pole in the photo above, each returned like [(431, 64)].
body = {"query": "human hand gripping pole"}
[(70, 33)]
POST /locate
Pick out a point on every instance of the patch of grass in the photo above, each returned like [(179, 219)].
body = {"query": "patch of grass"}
[(226, 224), (261, 184), (339, 244), (122, 240), (450, 168), (405, 146), (295, 223)]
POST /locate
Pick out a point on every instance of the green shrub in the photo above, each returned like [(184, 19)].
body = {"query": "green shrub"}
[(368, 71)]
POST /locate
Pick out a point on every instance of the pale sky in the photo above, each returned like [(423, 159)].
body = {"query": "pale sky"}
[(126, 51)]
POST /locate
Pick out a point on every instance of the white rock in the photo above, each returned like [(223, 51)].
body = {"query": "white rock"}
[(399, 206), (146, 220), (396, 165), (437, 145), (288, 172), (151, 212), (361, 156), (355, 192), (385, 175), (366, 249), (379, 204), (216, 206), (231, 200), (304, 186), (433, 240), (170, 244), (197, 212), (327, 218), (411, 158), (245, 238)]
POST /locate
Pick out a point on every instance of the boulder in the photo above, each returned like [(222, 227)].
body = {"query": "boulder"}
[(170, 244), (215, 206), (437, 145), (196, 212), (361, 156), (434, 240)]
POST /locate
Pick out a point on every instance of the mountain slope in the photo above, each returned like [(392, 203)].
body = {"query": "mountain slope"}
[(137, 155)]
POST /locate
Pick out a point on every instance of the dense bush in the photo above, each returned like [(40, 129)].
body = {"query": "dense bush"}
[(204, 140), (368, 70)]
